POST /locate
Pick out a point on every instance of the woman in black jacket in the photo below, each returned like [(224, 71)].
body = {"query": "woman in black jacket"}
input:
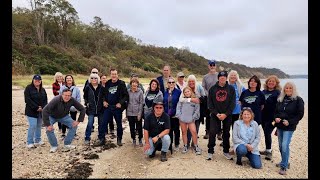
[(35, 97), (289, 111)]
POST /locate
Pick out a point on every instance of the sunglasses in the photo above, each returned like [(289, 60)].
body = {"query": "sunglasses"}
[(212, 65), (244, 108), (171, 82), (159, 107), (94, 78), (94, 72), (181, 76)]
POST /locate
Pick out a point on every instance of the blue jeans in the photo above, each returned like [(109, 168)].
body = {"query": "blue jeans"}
[(90, 125), (109, 114), (255, 160), (34, 130), (284, 139), (166, 141), (67, 120)]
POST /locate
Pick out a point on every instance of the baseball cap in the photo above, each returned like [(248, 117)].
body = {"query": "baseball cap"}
[(212, 62), (223, 73), (37, 77), (180, 74)]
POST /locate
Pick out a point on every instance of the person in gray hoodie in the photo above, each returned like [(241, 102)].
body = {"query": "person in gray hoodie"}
[(134, 111), (188, 113), (246, 138)]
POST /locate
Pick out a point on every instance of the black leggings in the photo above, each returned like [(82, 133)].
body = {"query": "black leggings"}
[(175, 128), (135, 124)]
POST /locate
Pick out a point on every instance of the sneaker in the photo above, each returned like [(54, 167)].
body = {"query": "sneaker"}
[(134, 143), (268, 155), (263, 152), (239, 163), (198, 150), (100, 142), (29, 146), (40, 143), (278, 165), (53, 149), (185, 149), (69, 146), (209, 156), (228, 156), (283, 171), (140, 143), (87, 142), (153, 154)]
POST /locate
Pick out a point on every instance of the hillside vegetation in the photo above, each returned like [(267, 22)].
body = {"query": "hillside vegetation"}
[(49, 37)]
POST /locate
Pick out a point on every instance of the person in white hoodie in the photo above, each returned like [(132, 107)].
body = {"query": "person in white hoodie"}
[(188, 113)]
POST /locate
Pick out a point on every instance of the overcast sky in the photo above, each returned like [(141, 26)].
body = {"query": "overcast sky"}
[(263, 33)]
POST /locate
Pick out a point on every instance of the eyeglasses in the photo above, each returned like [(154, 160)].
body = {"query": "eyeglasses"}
[(94, 78), (172, 82), (244, 108), (94, 72), (159, 107)]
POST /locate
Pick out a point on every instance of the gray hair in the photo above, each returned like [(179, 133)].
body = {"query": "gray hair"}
[(92, 75), (238, 82), (294, 91)]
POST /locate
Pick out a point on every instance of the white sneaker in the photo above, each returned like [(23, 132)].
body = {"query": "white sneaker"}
[(69, 146), (29, 146), (40, 143), (53, 149), (228, 156)]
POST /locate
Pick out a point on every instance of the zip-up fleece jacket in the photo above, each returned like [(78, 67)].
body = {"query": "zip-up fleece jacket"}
[(34, 99), (221, 99), (93, 99), (135, 104), (293, 112)]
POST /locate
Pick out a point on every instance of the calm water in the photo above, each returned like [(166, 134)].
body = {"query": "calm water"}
[(301, 84)]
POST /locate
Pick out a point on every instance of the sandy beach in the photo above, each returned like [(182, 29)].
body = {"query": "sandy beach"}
[(130, 162)]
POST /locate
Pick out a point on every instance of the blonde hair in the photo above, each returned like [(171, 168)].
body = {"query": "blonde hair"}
[(192, 93), (238, 81), (58, 74), (278, 87), (294, 91), (92, 75)]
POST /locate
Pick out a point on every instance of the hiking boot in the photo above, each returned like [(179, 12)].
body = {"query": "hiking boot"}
[(185, 149), (163, 156), (219, 136), (278, 165), (206, 136), (119, 143), (283, 171), (268, 155), (228, 156), (263, 152), (198, 150), (53, 149), (209, 156), (40, 143), (239, 162)]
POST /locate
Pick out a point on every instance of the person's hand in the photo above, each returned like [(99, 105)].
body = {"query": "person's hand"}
[(277, 120), (223, 116), (39, 109), (50, 128), (139, 117), (118, 105), (146, 147), (285, 122), (155, 139), (249, 147), (75, 123), (105, 104)]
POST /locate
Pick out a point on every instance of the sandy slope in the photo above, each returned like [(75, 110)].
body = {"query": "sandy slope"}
[(129, 162)]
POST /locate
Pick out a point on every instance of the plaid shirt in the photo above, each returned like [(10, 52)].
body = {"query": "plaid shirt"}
[(55, 88)]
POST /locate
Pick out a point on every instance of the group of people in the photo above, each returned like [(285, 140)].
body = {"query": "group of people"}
[(169, 104)]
